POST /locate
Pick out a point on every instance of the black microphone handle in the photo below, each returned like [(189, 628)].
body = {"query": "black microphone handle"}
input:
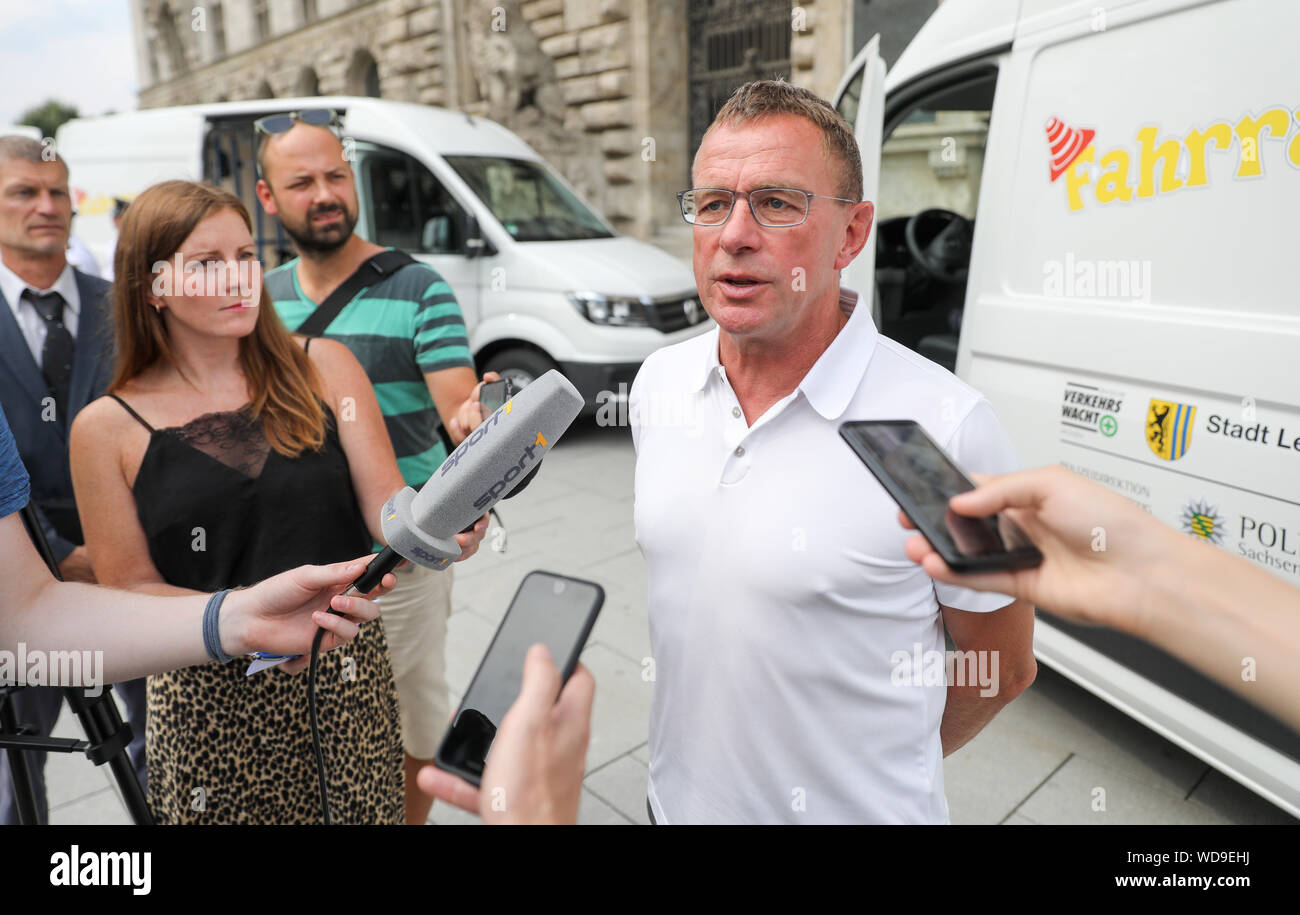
[(383, 563)]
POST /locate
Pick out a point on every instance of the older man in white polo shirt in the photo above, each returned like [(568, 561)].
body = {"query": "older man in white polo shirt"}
[(781, 603)]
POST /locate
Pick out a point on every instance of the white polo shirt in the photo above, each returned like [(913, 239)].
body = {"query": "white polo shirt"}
[(780, 593)]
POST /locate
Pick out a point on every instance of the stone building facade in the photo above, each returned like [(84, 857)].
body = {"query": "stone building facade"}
[(614, 93)]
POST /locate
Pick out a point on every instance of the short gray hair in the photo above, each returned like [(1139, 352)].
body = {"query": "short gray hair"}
[(27, 149), (767, 97)]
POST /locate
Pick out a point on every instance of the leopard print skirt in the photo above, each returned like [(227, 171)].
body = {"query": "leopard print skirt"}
[(225, 748)]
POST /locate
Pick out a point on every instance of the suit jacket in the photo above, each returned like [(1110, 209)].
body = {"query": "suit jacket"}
[(43, 445)]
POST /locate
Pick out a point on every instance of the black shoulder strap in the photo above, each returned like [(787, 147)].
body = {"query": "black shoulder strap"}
[(369, 273)]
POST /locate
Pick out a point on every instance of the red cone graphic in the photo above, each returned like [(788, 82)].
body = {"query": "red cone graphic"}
[(1066, 143)]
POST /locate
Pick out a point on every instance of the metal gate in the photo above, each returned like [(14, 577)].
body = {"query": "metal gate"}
[(731, 43)]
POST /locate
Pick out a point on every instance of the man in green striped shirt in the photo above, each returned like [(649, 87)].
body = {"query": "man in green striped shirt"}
[(408, 333)]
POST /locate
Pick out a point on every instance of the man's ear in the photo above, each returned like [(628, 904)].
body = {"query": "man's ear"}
[(856, 233), (266, 197)]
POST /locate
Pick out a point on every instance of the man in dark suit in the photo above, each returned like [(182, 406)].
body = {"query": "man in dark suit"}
[(55, 357)]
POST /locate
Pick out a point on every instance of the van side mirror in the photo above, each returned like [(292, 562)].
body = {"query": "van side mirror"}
[(475, 244)]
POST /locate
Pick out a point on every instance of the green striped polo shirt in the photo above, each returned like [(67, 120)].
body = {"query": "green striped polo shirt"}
[(404, 326)]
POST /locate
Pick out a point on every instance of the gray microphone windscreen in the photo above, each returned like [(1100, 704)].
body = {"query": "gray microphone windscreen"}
[(496, 456)]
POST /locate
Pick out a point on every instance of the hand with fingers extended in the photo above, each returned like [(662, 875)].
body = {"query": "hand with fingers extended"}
[(1096, 545), (282, 613), (1106, 561), (535, 767)]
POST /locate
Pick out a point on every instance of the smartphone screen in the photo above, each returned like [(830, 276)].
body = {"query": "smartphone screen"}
[(553, 609), (922, 478), (493, 394)]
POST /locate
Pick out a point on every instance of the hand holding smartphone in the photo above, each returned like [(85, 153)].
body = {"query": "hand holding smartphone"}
[(493, 395), (553, 609), (921, 478)]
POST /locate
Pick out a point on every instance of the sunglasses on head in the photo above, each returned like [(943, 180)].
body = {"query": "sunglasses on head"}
[(279, 123)]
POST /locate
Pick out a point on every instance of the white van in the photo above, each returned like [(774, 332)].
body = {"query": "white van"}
[(1112, 262), (543, 281)]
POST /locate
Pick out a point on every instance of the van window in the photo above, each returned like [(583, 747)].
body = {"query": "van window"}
[(527, 199), (230, 162), (930, 170), (408, 206)]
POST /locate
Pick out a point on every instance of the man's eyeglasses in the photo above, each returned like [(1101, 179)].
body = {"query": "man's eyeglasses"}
[(279, 123), (774, 207)]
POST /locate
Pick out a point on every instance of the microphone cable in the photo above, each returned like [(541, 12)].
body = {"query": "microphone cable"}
[(315, 724), (317, 751)]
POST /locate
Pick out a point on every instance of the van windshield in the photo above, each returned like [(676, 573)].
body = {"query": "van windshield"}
[(528, 200)]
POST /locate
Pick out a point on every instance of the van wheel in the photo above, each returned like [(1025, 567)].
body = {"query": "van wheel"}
[(521, 366)]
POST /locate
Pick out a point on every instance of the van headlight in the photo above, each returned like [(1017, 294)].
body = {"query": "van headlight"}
[(611, 310)]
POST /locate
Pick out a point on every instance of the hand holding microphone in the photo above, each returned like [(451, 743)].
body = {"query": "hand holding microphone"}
[(486, 467)]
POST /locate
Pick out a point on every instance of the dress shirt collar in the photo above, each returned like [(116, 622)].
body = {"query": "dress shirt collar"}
[(12, 286)]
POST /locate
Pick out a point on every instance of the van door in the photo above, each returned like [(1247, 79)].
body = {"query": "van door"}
[(860, 99), (230, 162), (1135, 318), (403, 205)]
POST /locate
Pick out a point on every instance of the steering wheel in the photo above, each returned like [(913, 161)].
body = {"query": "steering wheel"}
[(945, 252)]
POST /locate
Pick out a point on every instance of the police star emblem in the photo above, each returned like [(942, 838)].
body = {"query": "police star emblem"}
[(1169, 428), (1202, 519)]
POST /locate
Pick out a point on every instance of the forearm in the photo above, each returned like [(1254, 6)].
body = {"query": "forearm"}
[(1235, 622), (965, 714), (66, 616), (161, 589)]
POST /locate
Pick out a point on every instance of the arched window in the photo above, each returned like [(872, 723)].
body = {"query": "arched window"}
[(363, 74), (262, 19), (307, 83), (169, 37)]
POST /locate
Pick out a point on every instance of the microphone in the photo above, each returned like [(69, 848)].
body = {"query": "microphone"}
[(487, 466), (421, 526), (496, 458)]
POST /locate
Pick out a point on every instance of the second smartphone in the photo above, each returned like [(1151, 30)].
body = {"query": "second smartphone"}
[(553, 609), (921, 478)]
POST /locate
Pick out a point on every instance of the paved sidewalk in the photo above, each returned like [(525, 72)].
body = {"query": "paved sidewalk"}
[(1039, 761)]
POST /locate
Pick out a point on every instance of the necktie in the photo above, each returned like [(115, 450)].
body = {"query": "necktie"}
[(56, 356)]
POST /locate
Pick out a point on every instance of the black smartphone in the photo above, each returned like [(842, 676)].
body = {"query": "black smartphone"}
[(493, 395), (553, 609), (921, 478)]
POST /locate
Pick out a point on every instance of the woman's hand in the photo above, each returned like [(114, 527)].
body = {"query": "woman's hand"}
[(282, 613)]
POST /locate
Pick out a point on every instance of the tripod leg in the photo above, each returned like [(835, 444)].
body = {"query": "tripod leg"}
[(24, 793), (109, 736)]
